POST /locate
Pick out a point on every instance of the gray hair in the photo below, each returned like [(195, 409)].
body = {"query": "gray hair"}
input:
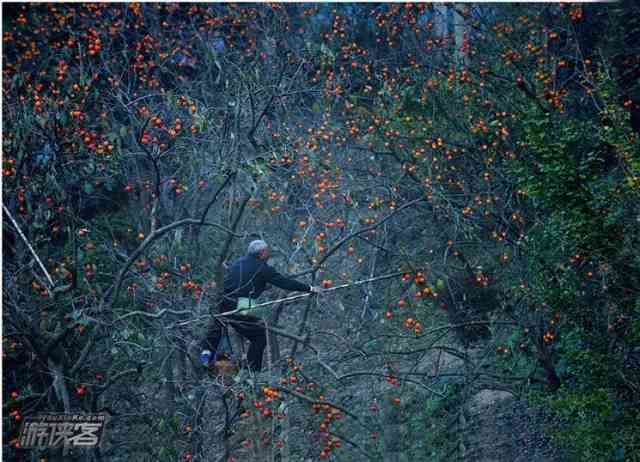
[(256, 247)]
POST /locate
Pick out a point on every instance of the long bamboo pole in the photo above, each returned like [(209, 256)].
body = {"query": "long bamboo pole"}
[(300, 296)]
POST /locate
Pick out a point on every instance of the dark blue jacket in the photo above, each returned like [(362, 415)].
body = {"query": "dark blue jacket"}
[(249, 276)]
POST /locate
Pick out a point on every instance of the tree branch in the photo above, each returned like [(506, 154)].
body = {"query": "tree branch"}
[(26, 241), (345, 239), (113, 291), (215, 196), (327, 403)]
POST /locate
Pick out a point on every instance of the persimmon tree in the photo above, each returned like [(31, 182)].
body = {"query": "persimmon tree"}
[(482, 160), (491, 169)]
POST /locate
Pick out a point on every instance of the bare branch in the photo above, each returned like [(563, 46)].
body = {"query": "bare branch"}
[(325, 402), (113, 291), (215, 195), (26, 241), (346, 239)]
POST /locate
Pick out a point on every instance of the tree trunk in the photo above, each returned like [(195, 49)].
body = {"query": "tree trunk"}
[(461, 33), (394, 431), (441, 29), (169, 389)]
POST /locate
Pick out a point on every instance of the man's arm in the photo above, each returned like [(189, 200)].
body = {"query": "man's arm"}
[(278, 280)]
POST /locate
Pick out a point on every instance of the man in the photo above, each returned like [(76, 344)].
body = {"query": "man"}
[(244, 281)]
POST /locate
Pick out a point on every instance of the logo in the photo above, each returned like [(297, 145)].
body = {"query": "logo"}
[(63, 430)]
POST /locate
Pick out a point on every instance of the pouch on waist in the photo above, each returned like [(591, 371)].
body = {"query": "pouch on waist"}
[(247, 304)]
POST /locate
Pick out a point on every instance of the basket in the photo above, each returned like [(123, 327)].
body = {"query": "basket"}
[(226, 367)]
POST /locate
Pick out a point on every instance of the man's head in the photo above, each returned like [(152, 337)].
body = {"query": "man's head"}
[(259, 249)]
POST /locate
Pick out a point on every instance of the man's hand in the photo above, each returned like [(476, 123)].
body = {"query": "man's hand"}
[(315, 289)]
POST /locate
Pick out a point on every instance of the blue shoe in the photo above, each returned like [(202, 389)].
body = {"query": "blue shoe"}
[(205, 357)]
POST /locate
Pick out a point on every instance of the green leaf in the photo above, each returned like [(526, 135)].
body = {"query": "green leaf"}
[(175, 424)]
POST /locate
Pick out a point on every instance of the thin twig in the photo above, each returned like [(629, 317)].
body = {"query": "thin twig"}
[(156, 315)]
